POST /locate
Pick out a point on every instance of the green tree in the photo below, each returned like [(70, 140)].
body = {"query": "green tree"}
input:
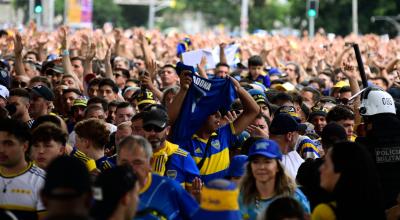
[(336, 15), (262, 13)]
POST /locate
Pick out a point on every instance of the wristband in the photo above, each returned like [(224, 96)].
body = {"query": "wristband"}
[(65, 53)]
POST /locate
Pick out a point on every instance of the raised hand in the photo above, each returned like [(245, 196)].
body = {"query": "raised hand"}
[(152, 68), (185, 80), (257, 131), (64, 38), (18, 45), (43, 39), (91, 53), (350, 71), (235, 83)]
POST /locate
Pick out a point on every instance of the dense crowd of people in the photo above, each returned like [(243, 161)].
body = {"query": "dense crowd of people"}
[(116, 124)]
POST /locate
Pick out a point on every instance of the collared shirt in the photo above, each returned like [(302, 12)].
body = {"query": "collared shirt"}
[(163, 198), (20, 193)]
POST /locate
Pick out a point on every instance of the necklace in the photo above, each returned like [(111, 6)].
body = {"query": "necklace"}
[(6, 184)]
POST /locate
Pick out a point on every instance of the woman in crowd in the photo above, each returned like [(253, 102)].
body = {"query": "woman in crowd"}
[(349, 173), (266, 180)]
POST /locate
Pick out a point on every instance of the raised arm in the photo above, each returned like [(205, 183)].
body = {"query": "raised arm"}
[(66, 58), (175, 107), (147, 80), (87, 63), (222, 56), (42, 41), (338, 61), (147, 53), (351, 73), (18, 47), (202, 67), (250, 108), (107, 64)]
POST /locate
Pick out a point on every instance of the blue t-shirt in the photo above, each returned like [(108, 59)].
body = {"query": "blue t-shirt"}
[(263, 79), (104, 163), (204, 97), (181, 167), (252, 211), (165, 198), (217, 160)]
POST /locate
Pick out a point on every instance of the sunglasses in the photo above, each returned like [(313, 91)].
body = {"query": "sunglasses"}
[(149, 128)]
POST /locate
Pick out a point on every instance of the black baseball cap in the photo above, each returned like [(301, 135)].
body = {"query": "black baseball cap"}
[(67, 177), (155, 115), (44, 92), (284, 123)]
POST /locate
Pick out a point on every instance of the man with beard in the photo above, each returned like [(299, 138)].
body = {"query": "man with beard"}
[(19, 98), (168, 158), (41, 102)]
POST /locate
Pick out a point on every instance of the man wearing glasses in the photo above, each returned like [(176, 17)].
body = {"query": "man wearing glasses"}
[(168, 159)]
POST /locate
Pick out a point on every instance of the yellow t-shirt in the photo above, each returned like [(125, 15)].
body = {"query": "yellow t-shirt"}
[(324, 212)]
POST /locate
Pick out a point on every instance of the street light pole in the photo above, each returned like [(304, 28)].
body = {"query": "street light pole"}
[(152, 14), (244, 17), (355, 17), (311, 26), (31, 14)]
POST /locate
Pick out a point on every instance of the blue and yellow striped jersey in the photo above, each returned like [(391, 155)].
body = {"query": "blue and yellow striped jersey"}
[(90, 163), (104, 163), (162, 198), (217, 161), (307, 148), (177, 164), (204, 97)]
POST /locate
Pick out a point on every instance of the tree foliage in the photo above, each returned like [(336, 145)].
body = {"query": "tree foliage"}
[(336, 15)]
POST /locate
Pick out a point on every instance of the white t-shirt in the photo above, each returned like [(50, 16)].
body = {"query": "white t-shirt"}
[(21, 193), (292, 162)]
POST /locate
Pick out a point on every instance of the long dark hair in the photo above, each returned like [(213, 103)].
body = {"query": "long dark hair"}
[(358, 191)]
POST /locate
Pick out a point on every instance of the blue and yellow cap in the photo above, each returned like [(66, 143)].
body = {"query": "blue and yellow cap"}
[(219, 200)]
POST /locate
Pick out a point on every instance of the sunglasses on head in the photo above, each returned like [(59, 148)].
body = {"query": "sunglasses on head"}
[(149, 128)]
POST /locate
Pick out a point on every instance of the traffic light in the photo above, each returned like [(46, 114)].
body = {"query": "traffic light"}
[(312, 8), (38, 7)]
